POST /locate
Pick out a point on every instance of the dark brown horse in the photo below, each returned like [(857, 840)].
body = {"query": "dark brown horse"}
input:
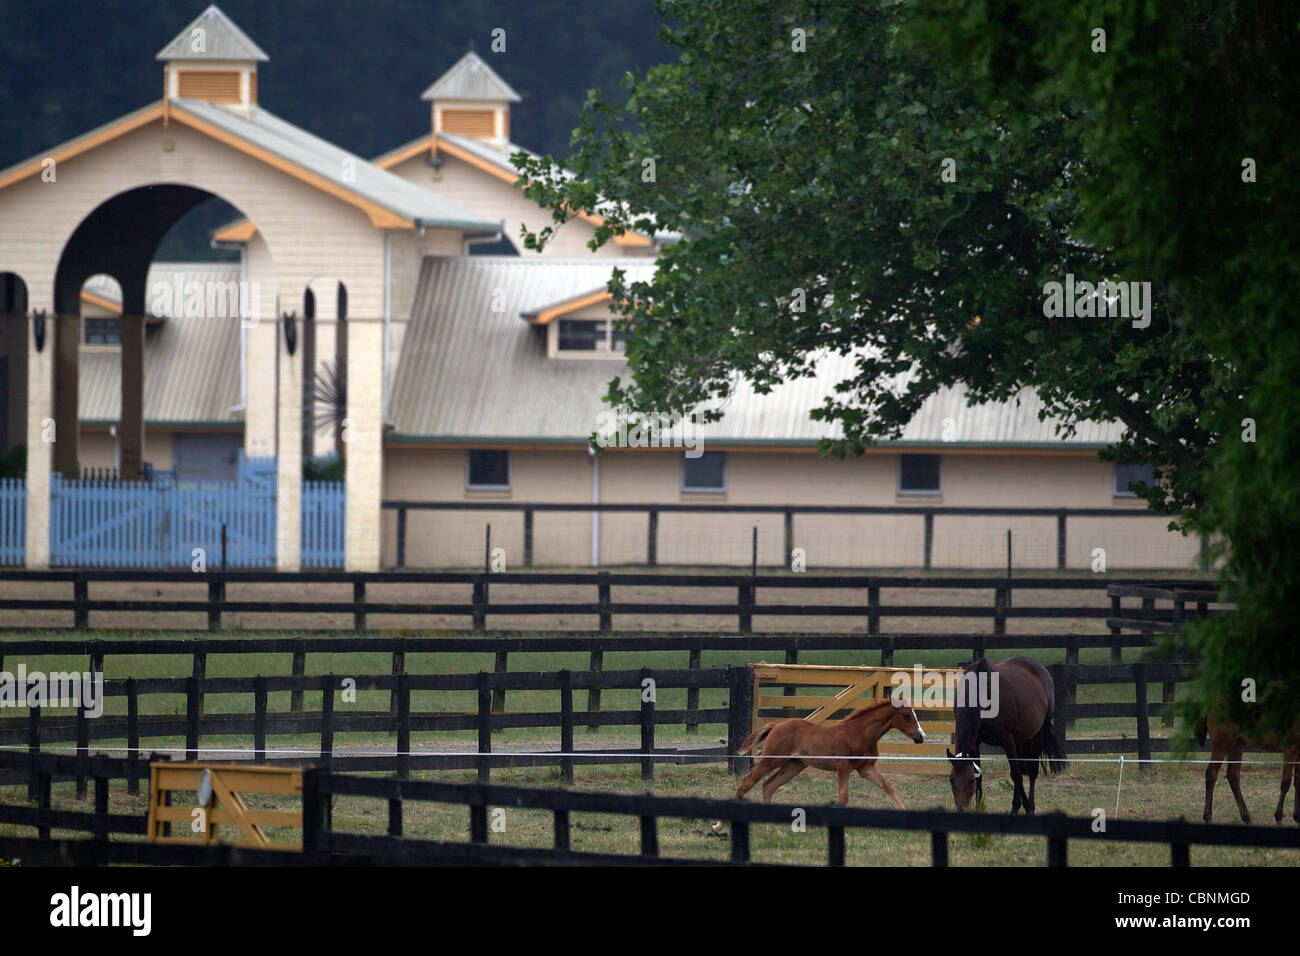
[(1226, 740), (1009, 705), (792, 746)]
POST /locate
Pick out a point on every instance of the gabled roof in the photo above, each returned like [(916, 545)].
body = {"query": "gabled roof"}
[(441, 391), (471, 79), (390, 201), (327, 162), (222, 40)]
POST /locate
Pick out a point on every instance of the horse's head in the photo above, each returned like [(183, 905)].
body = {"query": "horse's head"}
[(964, 778), (904, 719)]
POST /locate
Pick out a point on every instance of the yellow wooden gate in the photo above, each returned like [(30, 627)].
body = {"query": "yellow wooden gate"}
[(220, 797), (859, 686)]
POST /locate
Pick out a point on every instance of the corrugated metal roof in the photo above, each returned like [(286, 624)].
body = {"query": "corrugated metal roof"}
[(168, 274), (470, 79), (313, 154), (468, 373), (222, 40), (191, 374)]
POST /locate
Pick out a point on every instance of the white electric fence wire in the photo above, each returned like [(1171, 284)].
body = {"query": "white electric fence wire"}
[(669, 755)]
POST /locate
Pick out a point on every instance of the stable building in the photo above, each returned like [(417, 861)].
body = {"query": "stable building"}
[(469, 370)]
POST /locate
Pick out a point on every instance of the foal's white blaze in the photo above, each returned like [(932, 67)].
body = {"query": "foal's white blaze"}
[(920, 729)]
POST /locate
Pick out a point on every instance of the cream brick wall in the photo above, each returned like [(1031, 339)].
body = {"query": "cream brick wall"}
[(456, 539)]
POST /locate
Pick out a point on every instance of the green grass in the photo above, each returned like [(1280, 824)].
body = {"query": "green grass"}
[(1163, 794)]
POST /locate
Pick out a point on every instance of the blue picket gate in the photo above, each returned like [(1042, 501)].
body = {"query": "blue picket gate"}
[(13, 520), (99, 523), (323, 509)]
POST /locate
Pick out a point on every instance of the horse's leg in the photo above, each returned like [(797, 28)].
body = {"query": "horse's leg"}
[(1033, 781), (1293, 756), (1018, 796), (783, 776), (757, 773), (1287, 769), (1211, 778), (844, 771), (1234, 777), (873, 774)]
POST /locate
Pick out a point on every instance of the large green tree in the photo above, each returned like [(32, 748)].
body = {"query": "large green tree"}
[(801, 146), (1196, 180), (841, 189)]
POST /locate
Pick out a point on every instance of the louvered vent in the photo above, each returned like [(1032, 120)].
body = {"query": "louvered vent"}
[(212, 86), (477, 123)]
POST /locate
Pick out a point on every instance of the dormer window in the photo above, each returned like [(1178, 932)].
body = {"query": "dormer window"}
[(589, 336)]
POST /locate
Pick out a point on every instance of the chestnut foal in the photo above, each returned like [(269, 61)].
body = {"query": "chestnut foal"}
[(844, 747), (1227, 741)]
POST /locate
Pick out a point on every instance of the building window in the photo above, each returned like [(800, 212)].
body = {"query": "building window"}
[(589, 335), (705, 473), (1127, 473), (102, 331), (919, 475), (488, 469)]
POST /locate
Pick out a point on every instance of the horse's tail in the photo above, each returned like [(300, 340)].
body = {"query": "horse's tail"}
[(1054, 759), (755, 738)]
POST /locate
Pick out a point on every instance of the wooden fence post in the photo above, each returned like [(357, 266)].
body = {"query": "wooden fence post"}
[(652, 538), (259, 719), (602, 596), (566, 725), (193, 703), (80, 594), (403, 727), (596, 666), (34, 749), (299, 670), (1060, 540), (327, 721), (929, 538), (216, 595), (528, 537), (83, 749), (1143, 720), (693, 693), (133, 737), (502, 666), (873, 608), (399, 668), (359, 606), (740, 714), (745, 598), (484, 727), (647, 726)]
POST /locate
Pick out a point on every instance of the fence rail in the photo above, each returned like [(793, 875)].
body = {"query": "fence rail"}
[(652, 512), (866, 606), (322, 844)]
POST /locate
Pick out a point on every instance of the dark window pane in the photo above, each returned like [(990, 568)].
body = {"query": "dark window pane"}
[(706, 473), (489, 469), (617, 340), (103, 331), (919, 473), (577, 335), (1126, 473)]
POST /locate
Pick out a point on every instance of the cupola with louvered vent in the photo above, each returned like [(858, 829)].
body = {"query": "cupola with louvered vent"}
[(214, 61), (471, 100)]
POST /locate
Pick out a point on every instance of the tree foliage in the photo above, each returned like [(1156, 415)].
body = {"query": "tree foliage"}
[(1164, 153), (863, 197)]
